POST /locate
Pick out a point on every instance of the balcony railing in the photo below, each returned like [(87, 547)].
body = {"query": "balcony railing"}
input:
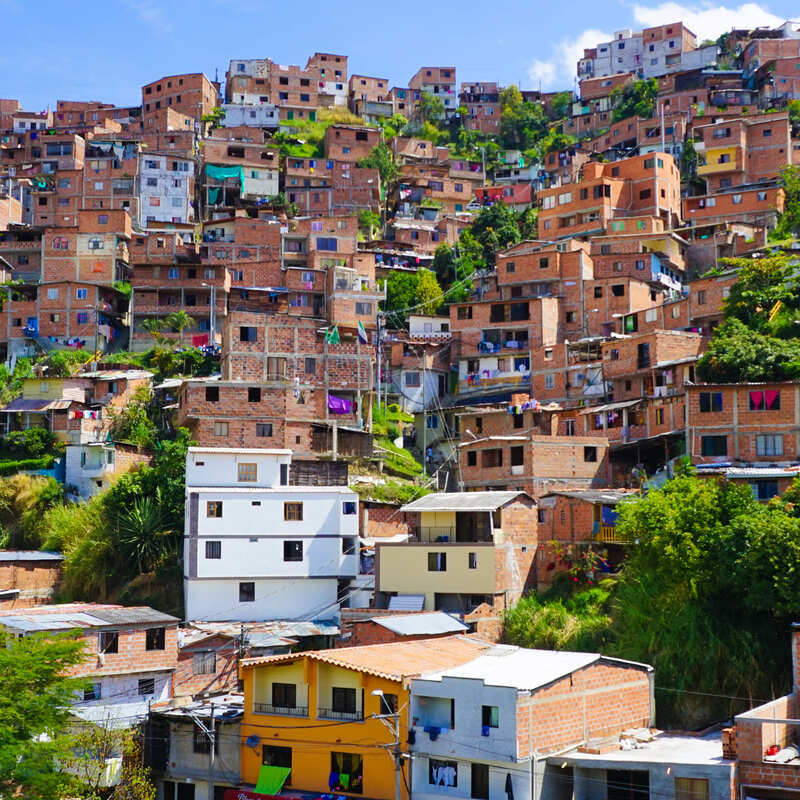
[(284, 711), (607, 533), (437, 533), (330, 713)]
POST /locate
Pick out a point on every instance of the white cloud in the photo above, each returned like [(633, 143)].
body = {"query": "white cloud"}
[(152, 15), (560, 69), (705, 20)]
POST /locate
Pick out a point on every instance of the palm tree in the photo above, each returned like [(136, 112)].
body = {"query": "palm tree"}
[(144, 534), (179, 321), (154, 327)]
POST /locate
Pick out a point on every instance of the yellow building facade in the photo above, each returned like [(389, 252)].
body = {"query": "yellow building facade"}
[(318, 713)]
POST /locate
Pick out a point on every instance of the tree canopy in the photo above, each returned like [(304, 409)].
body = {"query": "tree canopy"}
[(636, 99)]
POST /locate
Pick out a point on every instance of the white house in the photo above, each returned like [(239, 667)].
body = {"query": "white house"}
[(256, 548), (255, 114), (165, 188)]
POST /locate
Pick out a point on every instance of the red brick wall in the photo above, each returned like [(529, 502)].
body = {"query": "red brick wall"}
[(36, 581), (226, 677), (599, 700)]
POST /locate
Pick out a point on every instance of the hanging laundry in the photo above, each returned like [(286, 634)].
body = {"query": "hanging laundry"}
[(200, 340), (339, 405)]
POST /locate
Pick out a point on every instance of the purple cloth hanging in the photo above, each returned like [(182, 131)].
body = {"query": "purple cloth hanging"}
[(338, 405)]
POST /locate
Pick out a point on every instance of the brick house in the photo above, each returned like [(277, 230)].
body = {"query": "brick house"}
[(28, 578), (646, 185), (131, 654), (746, 432), (487, 727), (482, 101), (191, 94), (471, 548), (387, 628)]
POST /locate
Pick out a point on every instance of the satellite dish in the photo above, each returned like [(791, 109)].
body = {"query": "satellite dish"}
[(252, 741)]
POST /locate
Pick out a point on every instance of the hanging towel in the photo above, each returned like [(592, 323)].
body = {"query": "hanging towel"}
[(200, 340), (333, 779), (433, 732), (338, 405), (344, 780), (484, 730)]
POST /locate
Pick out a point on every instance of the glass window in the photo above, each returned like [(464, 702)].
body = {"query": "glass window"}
[(155, 638), (214, 549), (214, 508), (247, 472), (247, 592), (204, 663), (293, 512), (292, 551)]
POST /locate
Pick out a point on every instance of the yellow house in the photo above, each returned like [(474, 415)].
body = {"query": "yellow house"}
[(315, 717)]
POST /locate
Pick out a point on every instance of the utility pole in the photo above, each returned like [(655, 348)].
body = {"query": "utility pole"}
[(210, 733), (380, 348), (394, 728)]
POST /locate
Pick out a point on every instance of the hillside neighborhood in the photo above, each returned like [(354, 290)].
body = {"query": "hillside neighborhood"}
[(433, 440)]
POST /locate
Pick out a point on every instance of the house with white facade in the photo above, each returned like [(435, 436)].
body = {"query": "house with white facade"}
[(256, 548), (256, 115), (166, 186)]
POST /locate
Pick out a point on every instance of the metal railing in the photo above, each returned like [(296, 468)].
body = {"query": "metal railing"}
[(285, 711), (330, 713)]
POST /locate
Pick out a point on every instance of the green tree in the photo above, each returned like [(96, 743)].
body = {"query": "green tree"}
[(401, 294), (636, 99), (35, 697), (444, 264), (381, 158), (132, 423), (760, 284), (24, 499), (495, 228), (430, 108), (155, 327), (789, 224), (368, 221), (179, 321), (522, 124), (528, 223), (428, 294), (561, 105), (737, 354)]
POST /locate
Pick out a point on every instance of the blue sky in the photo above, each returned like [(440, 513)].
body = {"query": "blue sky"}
[(107, 51)]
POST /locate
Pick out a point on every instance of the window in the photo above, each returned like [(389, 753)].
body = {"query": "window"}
[(363, 309), (263, 429), (213, 549), (247, 472), (437, 562), (293, 512), (82, 318), (769, 445), (344, 699), (248, 333), (254, 394), (598, 291), (442, 773), (349, 764), (569, 427), (154, 638), (52, 294), (644, 194), (472, 560), (212, 394), (247, 592), (710, 401), (214, 509), (464, 312), (94, 692), (472, 458), (274, 756), (659, 416), (550, 380), (769, 400), (349, 507), (292, 551), (714, 445), (510, 266), (490, 716), (147, 686), (349, 545), (220, 429), (766, 132), (412, 379), (590, 454), (60, 243), (480, 781), (691, 789), (764, 490), (109, 642), (618, 290), (570, 316)]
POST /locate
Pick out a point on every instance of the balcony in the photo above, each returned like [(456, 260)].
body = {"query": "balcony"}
[(282, 711), (437, 533), (345, 716), (607, 534)]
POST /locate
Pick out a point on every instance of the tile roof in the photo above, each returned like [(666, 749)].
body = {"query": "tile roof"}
[(393, 661)]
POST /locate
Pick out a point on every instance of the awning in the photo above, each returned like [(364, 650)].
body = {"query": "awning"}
[(26, 404), (610, 407), (271, 779)]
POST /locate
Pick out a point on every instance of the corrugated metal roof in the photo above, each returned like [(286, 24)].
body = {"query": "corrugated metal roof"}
[(394, 661), (761, 472), (407, 602), (463, 501), (523, 669), (607, 496), (25, 404), (417, 624), (280, 629), (81, 615), (30, 555), (610, 406)]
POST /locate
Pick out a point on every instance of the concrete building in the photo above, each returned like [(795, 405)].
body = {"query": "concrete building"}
[(166, 189), (252, 540), (262, 115), (470, 548), (484, 729)]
